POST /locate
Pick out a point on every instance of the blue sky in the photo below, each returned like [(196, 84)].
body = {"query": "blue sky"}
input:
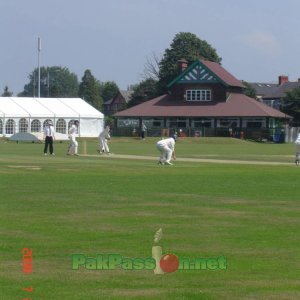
[(258, 40)]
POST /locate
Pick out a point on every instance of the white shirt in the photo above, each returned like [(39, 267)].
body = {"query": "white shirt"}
[(49, 131), (105, 133), (73, 129), (298, 139), (170, 143)]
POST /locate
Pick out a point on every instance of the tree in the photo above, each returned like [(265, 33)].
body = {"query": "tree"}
[(291, 104), (89, 90), (151, 67), (109, 89), (145, 90), (6, 92), (184, 45), (54, 82), (250, 90)]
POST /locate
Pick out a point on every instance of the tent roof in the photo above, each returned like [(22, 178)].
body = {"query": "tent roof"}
[(47, 107), (81, 107), (9, 108)]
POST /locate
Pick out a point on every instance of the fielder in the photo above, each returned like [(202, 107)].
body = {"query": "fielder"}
[(167, 150), (297, 142), (73, 145), (103, 137)]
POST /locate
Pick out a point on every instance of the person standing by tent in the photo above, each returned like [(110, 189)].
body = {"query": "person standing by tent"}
[(49, 137), (103, 137), (167, 150), (73, 145), (143, 130)]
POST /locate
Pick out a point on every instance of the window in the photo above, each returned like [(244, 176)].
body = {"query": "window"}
[(23, 125), (128, 122), (254, 123), (35, 126), (177, 122), (202, 123), (61, 126), (10, 126), (228, 123), (198, 95), (157, 122)]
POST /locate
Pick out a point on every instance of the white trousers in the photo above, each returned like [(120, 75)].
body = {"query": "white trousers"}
[(165, 153), (73, 145), (103, 145)]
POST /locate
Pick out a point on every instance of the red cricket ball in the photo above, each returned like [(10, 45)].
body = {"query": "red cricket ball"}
[(169, 263)]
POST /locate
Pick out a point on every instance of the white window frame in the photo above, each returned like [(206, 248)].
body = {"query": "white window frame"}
[(23, 125), (198, 95), (61, 126), (10, 126), (35, 125)]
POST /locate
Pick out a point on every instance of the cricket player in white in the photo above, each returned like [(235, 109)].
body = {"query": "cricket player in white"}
[(297, 142), (167, 150), (73, 145), (103, 137)]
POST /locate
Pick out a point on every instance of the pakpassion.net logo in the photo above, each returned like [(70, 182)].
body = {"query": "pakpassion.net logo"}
[(159, 263)]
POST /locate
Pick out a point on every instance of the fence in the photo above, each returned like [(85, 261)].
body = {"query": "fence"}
[(278, 135)]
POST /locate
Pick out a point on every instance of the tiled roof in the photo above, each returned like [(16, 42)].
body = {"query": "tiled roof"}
[(263, 89), (273, 90), (223, 74), (282, 89), (127, 95), (236, 105), (109, 101), (206, 71)]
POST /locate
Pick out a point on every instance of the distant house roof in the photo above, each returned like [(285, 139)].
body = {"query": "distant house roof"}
[(206, 71), (127, 95), (281, 90), (109, 101), (274, 90), (263, 89), (236, 105)]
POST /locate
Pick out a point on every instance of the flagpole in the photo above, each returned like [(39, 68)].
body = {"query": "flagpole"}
[(39, 70)]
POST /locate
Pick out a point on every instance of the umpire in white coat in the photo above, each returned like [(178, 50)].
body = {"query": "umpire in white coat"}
[(167, 150)]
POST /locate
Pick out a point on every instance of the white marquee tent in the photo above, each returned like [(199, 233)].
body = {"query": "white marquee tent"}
[(19, 115)]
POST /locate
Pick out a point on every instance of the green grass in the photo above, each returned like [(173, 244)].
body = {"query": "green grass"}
[(62, 205)]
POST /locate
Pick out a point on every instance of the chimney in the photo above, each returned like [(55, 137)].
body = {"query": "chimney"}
[(182, 65), (282, 79)]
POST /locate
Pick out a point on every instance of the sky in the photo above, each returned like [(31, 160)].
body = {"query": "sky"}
[(258, 40)]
